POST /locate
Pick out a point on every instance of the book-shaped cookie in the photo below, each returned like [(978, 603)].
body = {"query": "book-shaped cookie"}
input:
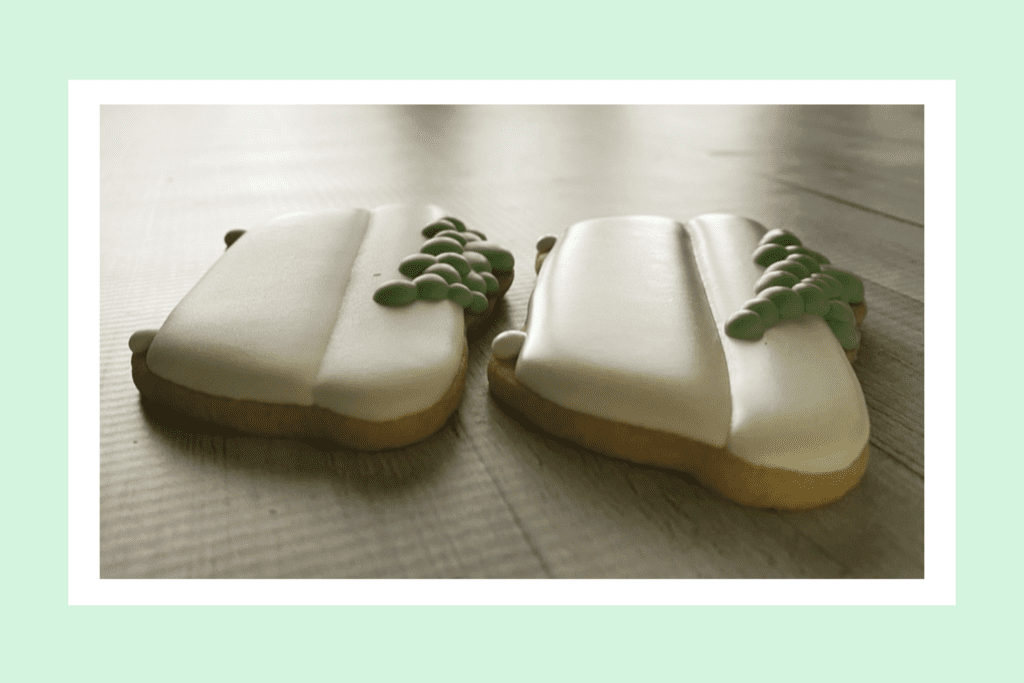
[(712, 347), (348, 325)]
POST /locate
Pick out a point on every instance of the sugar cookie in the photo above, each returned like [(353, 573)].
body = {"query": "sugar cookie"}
[(648, 340), (313, 325)]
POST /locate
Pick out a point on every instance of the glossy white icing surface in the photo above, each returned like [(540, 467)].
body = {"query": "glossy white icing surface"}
[(796, 401), (619, 327), (256, 325), (286, 315), (385, 362)]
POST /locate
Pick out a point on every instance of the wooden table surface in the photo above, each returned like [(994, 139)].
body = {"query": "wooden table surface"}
[(488, 496)]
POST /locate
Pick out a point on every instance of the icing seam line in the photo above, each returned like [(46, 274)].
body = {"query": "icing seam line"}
[(341, 302), (698, 253)]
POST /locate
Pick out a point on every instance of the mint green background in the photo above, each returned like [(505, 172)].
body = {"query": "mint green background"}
[(45, 45)]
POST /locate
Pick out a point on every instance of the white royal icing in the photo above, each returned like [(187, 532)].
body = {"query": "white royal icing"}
[(506, 346), (256, 325), (627, 323), (139, 341), (619, 327), (287, 316), (796, 401), (384, 362)]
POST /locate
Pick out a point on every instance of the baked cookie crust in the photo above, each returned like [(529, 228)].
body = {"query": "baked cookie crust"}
[(293, 421), (714, 468)]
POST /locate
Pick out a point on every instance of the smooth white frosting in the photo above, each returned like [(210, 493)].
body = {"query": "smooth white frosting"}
[(619, 327), (385, 362), (627, 323), (796, 401), (286, 315), (256, 325)]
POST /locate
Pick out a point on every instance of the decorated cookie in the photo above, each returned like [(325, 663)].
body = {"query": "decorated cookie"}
[(655, 341), (348, 325)]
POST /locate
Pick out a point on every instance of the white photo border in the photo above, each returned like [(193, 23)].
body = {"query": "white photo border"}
[(938, 587)]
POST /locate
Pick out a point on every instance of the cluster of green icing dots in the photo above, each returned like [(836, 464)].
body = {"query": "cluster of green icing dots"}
[(797, 280), (454, 263)]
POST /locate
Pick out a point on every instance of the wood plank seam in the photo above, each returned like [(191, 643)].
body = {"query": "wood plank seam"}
[(876, 448), (548, 573), (845, 202)]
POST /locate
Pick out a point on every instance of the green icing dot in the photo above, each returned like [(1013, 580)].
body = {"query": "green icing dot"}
[(501, 258), (775, 278), (453, 234), (806, 261), (783, 237), (847, 333), (475, 281), (765, 309), (459, 225), (490, 281), (436, 227), (820, 258), (479, 234), (396, 293), (431, 287), (477, 261), (767, 254), (811, 280), (449, 273), (745, 324), (789, 303), (414, 265), (840, 311), (815, 301), (833, 290), (852, 287), (456, 261), (478, 304), (439, 245), (790, 267), (460, 294)]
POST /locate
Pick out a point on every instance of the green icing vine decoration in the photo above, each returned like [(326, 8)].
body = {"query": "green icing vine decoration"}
[(454, 263), (797, 280)]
